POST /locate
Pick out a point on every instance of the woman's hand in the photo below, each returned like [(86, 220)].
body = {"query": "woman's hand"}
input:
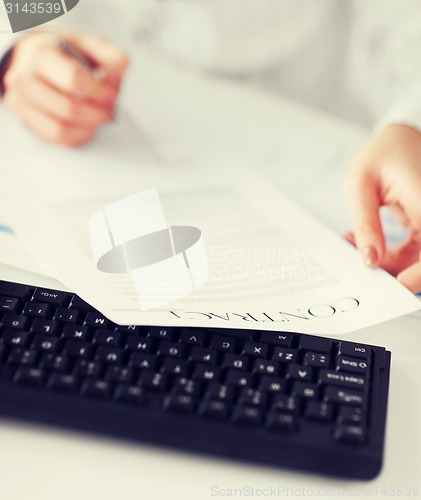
[(387, 171), (57, 97)]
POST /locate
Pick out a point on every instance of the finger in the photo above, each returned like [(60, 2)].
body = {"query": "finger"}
[(349, 237), (47, 127), (411, 277), (61, 107), (71, 77), (401, 258), (411, 203), (102, 53), (364, 202)]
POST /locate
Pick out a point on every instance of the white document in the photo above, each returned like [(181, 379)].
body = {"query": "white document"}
[(13, 253), (271, 265)]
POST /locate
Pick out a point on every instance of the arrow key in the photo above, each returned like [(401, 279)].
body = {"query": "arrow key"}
[(299, 372)]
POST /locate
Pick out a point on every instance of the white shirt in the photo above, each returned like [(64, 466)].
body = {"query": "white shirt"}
[(359, 59)]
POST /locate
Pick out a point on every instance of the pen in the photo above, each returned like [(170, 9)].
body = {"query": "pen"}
[(121, 116)]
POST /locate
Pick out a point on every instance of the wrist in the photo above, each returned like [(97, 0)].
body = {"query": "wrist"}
[(4, 66)]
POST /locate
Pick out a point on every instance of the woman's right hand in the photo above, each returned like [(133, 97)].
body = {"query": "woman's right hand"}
[(57, 97)]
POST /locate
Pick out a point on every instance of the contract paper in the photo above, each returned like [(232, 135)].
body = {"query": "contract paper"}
[(272, 266)]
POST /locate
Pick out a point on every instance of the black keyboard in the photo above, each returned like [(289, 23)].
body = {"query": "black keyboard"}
[(285, 399)]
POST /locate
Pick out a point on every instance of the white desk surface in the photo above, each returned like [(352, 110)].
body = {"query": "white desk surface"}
[(41, 463)]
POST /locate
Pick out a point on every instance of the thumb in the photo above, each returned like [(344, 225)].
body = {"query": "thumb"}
[(364, 203), (104, 55), (411, 277)]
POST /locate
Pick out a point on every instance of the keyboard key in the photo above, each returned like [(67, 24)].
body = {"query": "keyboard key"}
[(45, 326), (246, 415), (66, 315), (343, 396), (33, 377), (105, 337), (352, 365), (304, 390), (155, 332), (63, 383), (180, 403), (252, 397), (98, 389), (350, 415), (16, 290), (316, 359), (21, 356), (317, 410), (284, 403), (354, 350), (215, 410), (255, 349), (55, 297), (271, 384), (193, 337), (142, 360), (76, 332), (3, 352), (84, 368), (153, 381), (234, 361), (299, 372), (201, 355), (281, 422), (284, 355), (350, 434), (329, 377), (184, 385), (57, 363), (45, 343), (77, 349), (15, 338), (282, 339), (108, 354), (10, 304), (142, 344), (15, 321), (175, 366), (79, 304), (131, 329), (315, 344), (220, 392), (172, 349), (266, 367), (226, 344), (205, 372), (120, 374), (96, 320), (240, 335), (131, 394), (36, 309), (238, 378)]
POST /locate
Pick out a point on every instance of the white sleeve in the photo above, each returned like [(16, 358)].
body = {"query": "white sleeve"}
[(7, 38), (407, 111)]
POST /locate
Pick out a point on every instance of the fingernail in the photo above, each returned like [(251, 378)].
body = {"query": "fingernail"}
[(370, 256)]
